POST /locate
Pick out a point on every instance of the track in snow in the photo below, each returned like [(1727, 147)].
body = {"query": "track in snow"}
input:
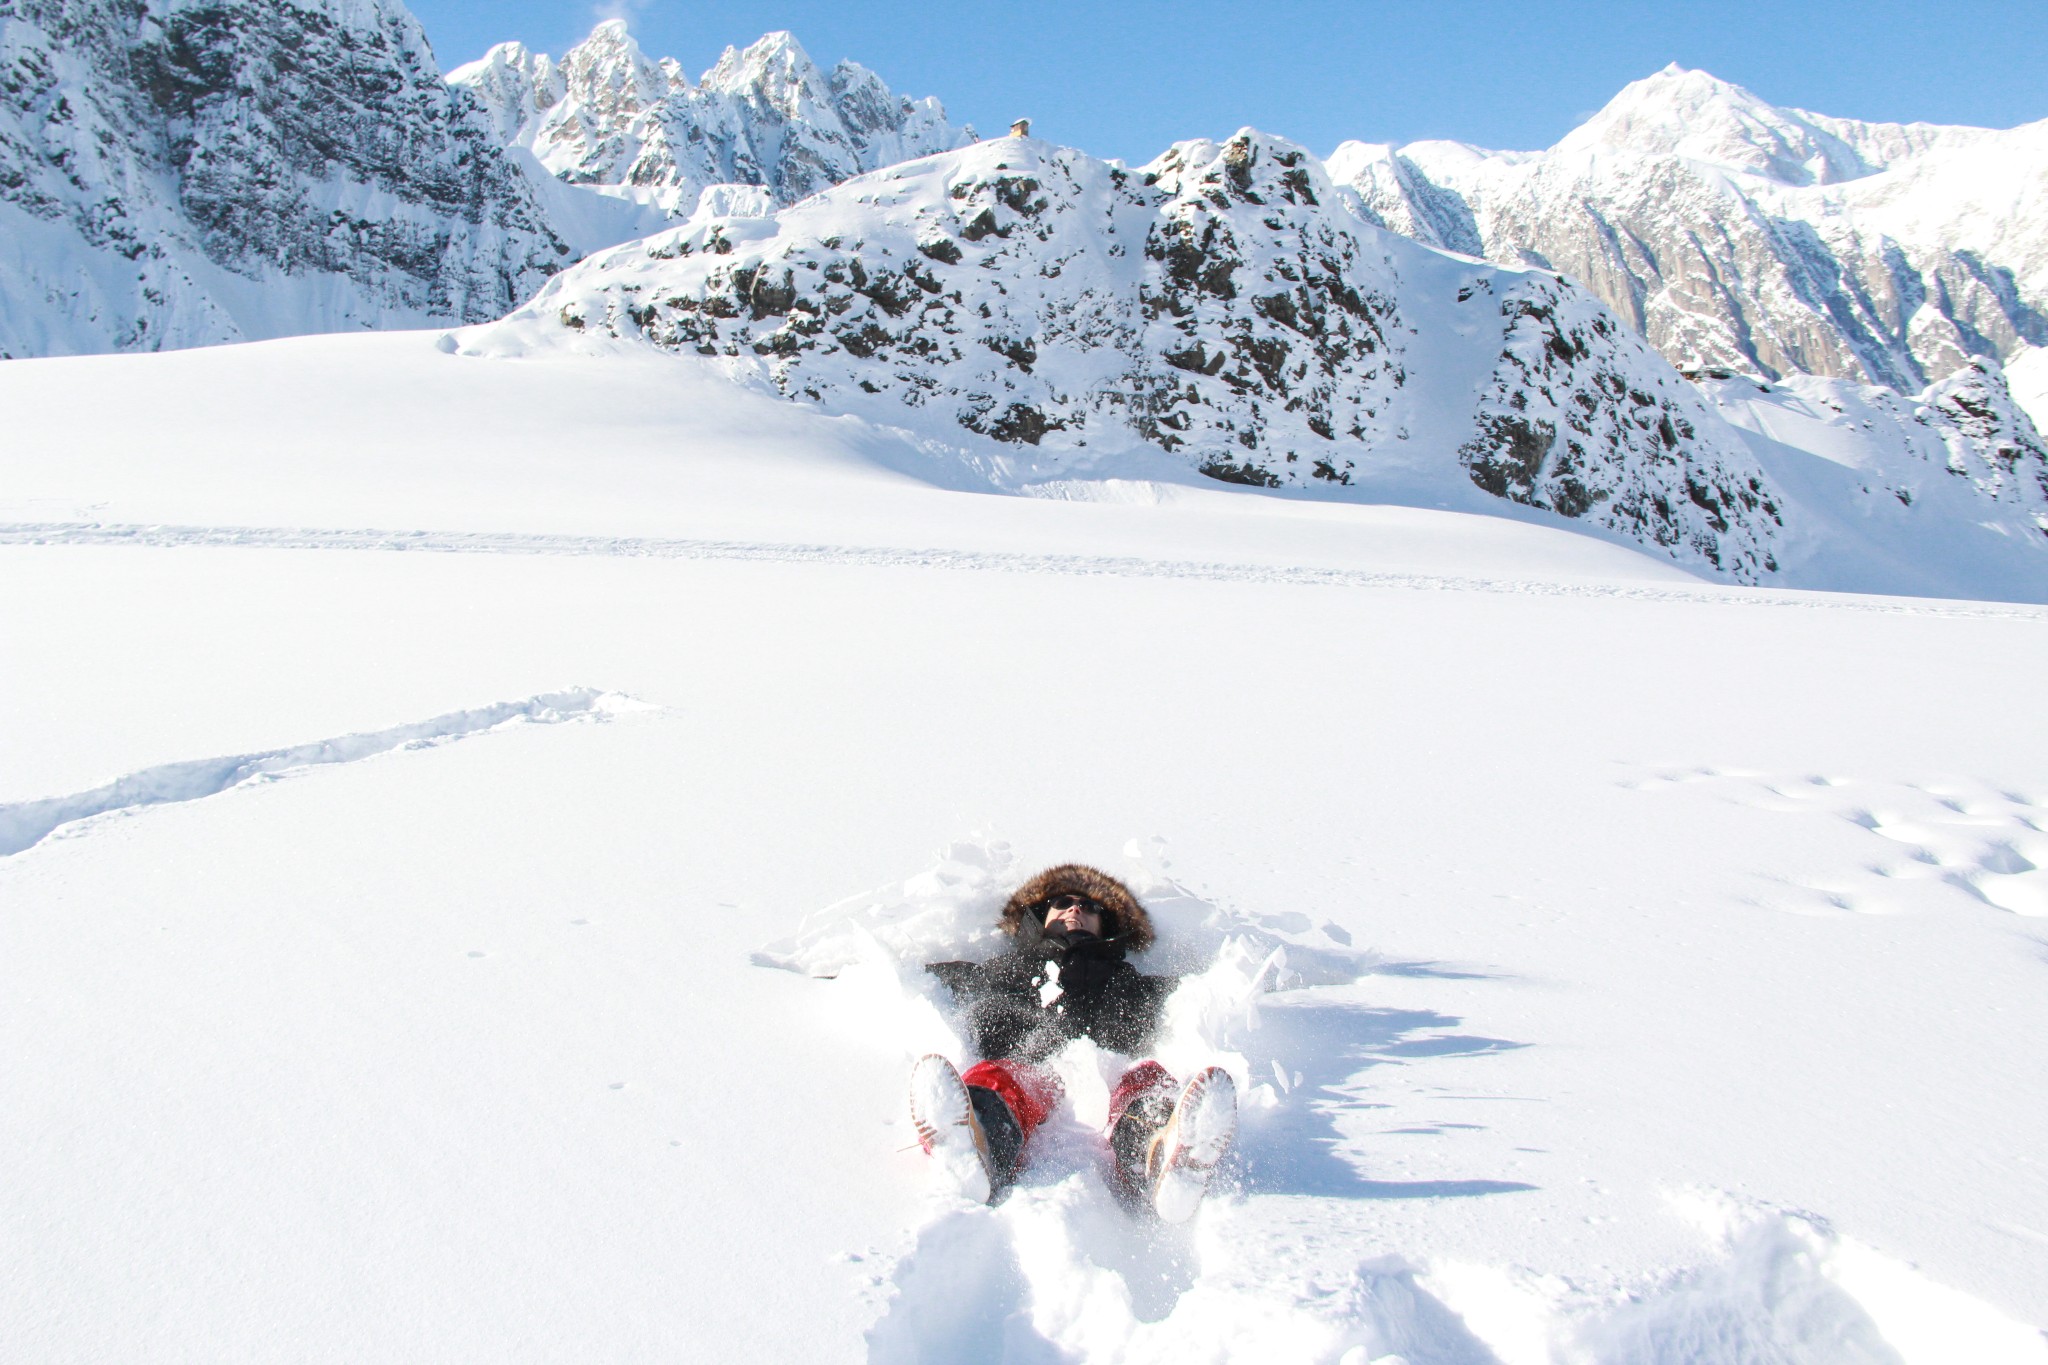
[(1114, 566), (24, 824)]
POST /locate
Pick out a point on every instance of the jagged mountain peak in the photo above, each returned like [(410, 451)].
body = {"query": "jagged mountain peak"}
[(610, 41), (1697, 115), (609, 66), (511, 83), (772, 64), (514, 54), (1740, 235), (764, 115)]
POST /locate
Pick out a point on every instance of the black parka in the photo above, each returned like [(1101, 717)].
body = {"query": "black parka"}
[(1044, 992)]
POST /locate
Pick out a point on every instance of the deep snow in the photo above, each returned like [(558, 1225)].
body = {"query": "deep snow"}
[(1663, 959)]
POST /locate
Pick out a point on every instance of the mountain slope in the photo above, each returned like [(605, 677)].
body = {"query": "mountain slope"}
[(1224, 306), (191, 173), (1769, 241)]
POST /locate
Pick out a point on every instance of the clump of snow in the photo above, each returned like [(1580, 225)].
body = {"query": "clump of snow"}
[(1783, 1285)]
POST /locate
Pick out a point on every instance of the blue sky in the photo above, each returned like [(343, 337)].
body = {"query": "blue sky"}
[(1127, 79)]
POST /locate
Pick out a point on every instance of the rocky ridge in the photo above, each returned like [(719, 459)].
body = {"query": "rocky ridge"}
[(607, 116), (1964, 432), (1226, 304)]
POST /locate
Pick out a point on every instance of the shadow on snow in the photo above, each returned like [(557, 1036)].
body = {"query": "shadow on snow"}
[(1297, 1148)]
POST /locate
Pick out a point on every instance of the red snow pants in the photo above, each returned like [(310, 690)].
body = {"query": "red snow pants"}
[(1142, 1081), (1033, 1092)]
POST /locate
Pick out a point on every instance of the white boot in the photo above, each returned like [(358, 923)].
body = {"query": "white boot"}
[(948, 1129)]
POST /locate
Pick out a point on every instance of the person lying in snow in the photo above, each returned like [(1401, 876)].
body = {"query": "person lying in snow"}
[(1064, 977)]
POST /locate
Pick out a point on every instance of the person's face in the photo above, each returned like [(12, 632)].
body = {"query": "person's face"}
[(1071, 913)]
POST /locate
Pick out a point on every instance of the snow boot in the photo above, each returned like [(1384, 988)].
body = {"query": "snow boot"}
[(1180, 1160), (967, 1129), (1132, 1137)]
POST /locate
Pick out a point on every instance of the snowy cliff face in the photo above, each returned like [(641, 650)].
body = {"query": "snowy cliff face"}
[(607, 116), (197, 171), (1765, 241), (1226, 305)]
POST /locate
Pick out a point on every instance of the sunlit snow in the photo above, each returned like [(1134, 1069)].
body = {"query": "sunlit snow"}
[(1617, 966)]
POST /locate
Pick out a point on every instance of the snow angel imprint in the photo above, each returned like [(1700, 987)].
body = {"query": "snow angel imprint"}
[(1062, 977)]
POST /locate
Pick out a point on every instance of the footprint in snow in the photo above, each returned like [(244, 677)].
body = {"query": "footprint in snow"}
[(1986, 841)]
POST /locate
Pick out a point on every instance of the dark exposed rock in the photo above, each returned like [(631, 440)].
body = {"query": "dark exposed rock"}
[(1507, 455), (1255, 475)]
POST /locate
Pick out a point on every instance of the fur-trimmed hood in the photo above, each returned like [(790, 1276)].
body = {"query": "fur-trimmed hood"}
[(1133, 927)]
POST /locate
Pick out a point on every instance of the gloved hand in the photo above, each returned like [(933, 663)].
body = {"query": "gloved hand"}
[(1089, 962)]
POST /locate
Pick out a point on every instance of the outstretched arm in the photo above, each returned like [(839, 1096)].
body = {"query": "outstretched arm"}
[(961, 978)]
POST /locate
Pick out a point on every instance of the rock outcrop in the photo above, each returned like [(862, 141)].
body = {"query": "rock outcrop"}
[(1227, 305)]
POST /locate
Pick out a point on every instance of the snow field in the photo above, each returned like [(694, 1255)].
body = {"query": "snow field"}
[(329, 1066), (382, 437), (1660, 979)]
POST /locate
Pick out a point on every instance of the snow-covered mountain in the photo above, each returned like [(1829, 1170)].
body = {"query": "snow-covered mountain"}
[(190, 174), (1231, 307), (1766, 241), (607, 116), (186, 173)]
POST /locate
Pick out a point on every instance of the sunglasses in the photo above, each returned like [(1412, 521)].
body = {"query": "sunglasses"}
[(1067, 901)]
